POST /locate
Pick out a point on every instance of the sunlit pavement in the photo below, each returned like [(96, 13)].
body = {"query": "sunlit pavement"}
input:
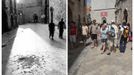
[(33, 53), (92, 62)]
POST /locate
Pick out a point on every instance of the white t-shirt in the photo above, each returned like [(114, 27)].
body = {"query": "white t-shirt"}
[(116, 29), (84, 30)]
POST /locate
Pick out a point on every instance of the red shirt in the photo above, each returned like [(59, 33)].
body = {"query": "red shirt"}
[(73, 30)]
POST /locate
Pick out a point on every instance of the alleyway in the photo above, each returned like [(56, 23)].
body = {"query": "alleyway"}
[(92, 62), (31, 52)]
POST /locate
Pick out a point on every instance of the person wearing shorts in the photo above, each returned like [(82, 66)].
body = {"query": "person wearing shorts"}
[(84, 33), (103, 40), (93, 36), (112, 41), (104, 37), (94, 31), (73, 39), (73, 33)]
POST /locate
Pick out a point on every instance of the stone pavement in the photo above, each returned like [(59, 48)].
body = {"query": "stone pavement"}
[(6, 37), (77, 51), (95, 63), (31, 52)]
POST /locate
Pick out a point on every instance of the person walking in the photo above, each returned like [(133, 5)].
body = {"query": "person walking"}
[(115, 42), (84, 33), (73, 33), (61, 26), (51, 30), (35, 17), (130, 33), (104, 37), (43, 18), (124, 37), (120, 30), (111, 37), (93, 32)]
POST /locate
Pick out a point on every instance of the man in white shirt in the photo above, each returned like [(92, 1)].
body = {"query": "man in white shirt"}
[(84, 32), (112, 40), (116, 33)]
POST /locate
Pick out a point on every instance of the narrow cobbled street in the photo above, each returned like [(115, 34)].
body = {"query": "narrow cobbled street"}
[(90, 61), (29, 51)]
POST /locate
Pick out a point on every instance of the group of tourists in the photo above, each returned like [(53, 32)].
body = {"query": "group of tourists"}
[(36, 18), (115, 36), (112, 35)]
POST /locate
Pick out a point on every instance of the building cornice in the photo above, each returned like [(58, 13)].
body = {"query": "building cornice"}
[(103, 9)]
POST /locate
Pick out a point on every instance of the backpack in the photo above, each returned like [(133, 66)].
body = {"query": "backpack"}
[(111, 31), (125, 32)]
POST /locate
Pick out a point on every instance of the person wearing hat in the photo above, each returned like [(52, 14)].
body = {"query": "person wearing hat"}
[(112, 36)]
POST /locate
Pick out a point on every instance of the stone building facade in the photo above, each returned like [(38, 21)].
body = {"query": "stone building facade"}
[(76, 11), (121, 5), (26, 9), (103, 10), (59, 10), (29, 7), (77, 14), (9, 15)]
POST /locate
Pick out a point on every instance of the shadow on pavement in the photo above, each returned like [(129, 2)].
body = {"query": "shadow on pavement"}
[(73, 54), (87, 44), (57, 44), (6, 50)]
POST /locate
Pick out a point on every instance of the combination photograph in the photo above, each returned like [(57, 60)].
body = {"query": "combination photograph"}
[(66, 37)]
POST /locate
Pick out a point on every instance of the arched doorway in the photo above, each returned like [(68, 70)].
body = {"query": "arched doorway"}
[(125, 15)]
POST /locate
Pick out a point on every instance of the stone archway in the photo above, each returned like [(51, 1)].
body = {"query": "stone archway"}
[(125, 13)]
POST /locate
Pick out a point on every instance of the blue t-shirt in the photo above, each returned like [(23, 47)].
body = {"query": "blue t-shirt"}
[(104, 33)]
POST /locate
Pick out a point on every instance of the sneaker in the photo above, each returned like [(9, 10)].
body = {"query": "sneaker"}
[(108, 53), (102, 52), (92, 46)]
